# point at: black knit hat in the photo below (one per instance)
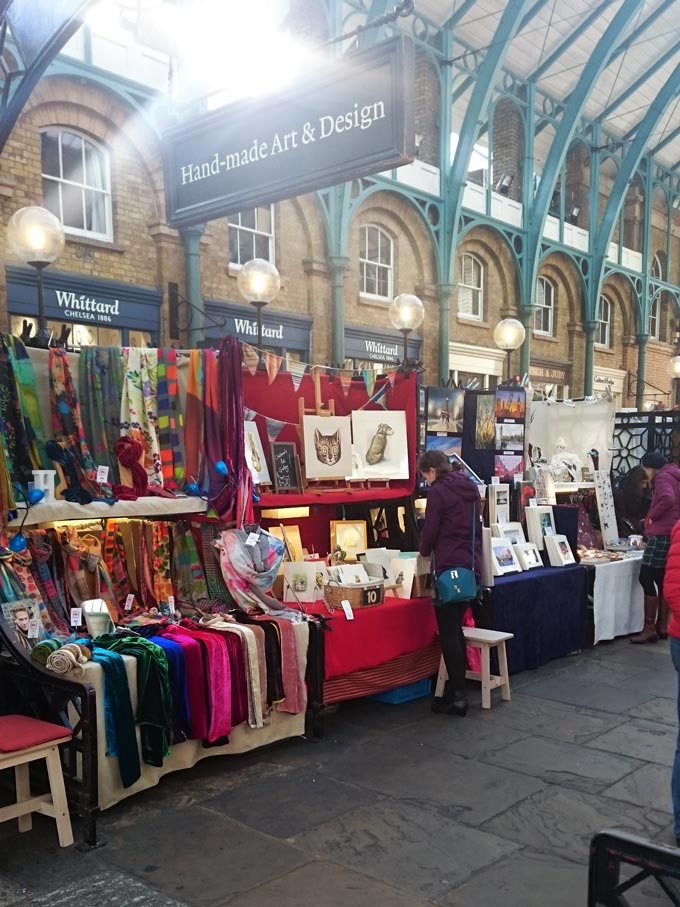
(653, 460)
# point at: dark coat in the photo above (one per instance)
(665, 509)
(453, 503)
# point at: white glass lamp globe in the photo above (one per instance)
(406, 312)
(509, 334)
(259, 281)
(35, 235)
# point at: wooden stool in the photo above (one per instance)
(24, 740)
(484, 640)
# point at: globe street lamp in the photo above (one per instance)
(36, 237)
(406, 313)
(509, 335)
(259, 282)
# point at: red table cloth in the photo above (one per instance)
(379, 634)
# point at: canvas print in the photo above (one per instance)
(328, 446)
(485, 422)
(507, 466)
(451, 445)
(510, 436)
(380, 444)
(255, 458)
(445, 409)
(511, 403)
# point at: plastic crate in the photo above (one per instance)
(407, 693)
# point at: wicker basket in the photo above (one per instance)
(359, 595)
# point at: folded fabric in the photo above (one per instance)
(70, 657)
(42, 650)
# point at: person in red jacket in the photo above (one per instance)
(662, 516)
(453, 509)
(671, 593)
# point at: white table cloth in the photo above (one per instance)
(618, 601)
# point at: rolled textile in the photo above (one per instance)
(70, 657)
(44, 649)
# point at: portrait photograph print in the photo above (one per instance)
(445, 409)
(380, 445)
(22, 617)
(328, 446)
(255, 458)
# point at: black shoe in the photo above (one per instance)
(441, 704)
(458, 707)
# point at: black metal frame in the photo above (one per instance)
(27, 687)
(612, 850)
(637, 433)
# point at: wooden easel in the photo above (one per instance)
(320, 409)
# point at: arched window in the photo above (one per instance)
(471, 287)
(544, 315)
(654, 322)
(76, 182)
(604, 322)
(251, 235)
(375, 263)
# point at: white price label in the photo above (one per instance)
(548, 531)
(102, 474)
(495, 480)
(347, 608)
(171, 603)
(532, 502)
(253, 538)
(129, 602)
(76, 617)
(33, 628)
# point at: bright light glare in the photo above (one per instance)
(104, 19)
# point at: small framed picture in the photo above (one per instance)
(540, 523)
(255, 458)
(499, 504)
(511, 531)
(559, 552)
(503, 558)
(285, 466)
(350, 535)
(528, 555)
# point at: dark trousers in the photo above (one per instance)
(452, 640)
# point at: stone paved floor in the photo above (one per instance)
(396, 807)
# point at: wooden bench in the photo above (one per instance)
(485, 641)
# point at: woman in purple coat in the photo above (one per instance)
(453, 509)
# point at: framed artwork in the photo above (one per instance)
(445, 409)
(503, 558)
(544, 484)
(559, 552)
(328, 446)
(350, 535)
(22, 616)
(528, 555)
(485, 423)
(511, 531)
(285, 466)
(380, 443)
(511, 404)
(450, 445)
(422, 433)
(507, 466)
(255, 458)
(540, 522)
(509, 436)
(292, 542)
(499, 504)
(304, 581)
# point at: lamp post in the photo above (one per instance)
(259, 282)
(36, 237)
(509, 335)
(674, 370)
(406, 313)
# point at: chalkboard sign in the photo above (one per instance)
(285, 467)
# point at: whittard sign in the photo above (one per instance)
(353, 118)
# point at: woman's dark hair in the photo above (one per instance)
(434, 459)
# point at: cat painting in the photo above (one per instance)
(328, 448)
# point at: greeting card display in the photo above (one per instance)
(559, 552)
(304, 581)
(540, 522)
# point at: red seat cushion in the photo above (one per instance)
(18, 732)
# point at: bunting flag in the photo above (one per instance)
(273, 364)
(274, 428)
(297, 371)
(248, 414)
(369, 380)
(392, 377)
(345, 377)
(251, 357)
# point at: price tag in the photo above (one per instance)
(532, 502)
(129, 602)
(102, 474)
(548, 531)
(347, 608)
(253, 538)
(33, 628)
(171, 603)
(76, 617)
(495, 480)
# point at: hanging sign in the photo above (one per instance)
(352, 118)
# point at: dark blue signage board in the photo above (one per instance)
(352, 118)
(369, 344)
(282, 330)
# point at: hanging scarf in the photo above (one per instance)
(170, 419)
(187, 570)
(139, 407)
(7, 502)
(27, 390)
(14, 436)
(53, 624)
(213, 415)
(113, 554)
(162, 582)
(66, 420)
(101, 372)
(250, 570)
(193, 432)
(40, 548)
(217, 588)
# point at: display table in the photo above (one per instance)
(618, 600)
(545, 609)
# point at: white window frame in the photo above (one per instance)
(545, 307)
(606, 323)
(237, 227)
(475, 291)
(84, 187)
(365, 262)
(654, 321)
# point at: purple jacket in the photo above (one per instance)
(665, 508)
(453, 503)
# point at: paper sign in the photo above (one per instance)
(102, 474)
(347, 608)
(253, 538)
(548, 530)
(129, 602)
(76, 617)
(171, 603)
(532, 502)
(495, 480)
(33, 628)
